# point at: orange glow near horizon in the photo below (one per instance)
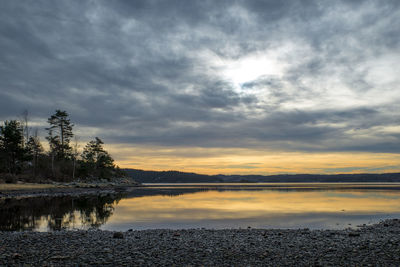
(251, 161)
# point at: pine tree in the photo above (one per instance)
(60, 134)
(34, 150)
(98, 162)
(12, 146)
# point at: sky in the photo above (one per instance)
(233, 87)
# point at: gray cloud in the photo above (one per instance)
(154, 72)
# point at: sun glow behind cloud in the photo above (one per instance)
(252, 67)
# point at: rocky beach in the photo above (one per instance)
(376, 245)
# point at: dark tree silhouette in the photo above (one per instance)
(12, 146)
(34, 150)
(60, 134)
(96, 160)
(22, 155)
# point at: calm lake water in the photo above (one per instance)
(217, 206)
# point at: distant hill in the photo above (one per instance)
(185, 177)
(170, 177)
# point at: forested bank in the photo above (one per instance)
(23, 157)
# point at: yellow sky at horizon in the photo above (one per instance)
(250, 161)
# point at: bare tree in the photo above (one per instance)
(52, 151)
(75, 154)
(25, 120)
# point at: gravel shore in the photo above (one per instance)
(377, 245)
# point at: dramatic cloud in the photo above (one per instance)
(304, 76)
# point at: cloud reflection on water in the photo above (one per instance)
(322, 206)
(216, 209)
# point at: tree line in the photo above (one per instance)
(23, 157)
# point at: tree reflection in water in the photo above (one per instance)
(56, 213)
(68, 212)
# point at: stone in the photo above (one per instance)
(16, 256)
(59, 257)
(354, 234)
(118, 235)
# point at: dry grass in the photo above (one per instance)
(27, 186)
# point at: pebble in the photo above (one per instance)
(118, 235)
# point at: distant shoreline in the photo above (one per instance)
(376, 245)
(144, 176)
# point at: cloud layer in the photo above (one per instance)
(280, 75)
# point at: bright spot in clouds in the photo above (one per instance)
(250, 68)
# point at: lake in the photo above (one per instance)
(215, 206)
